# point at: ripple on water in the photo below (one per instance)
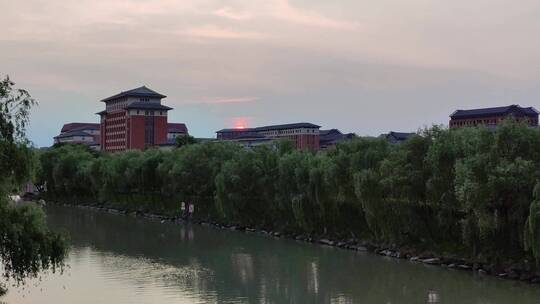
(148, 262)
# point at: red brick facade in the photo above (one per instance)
(134, 119)
(160, 129)
(305, 141)
(136, 132)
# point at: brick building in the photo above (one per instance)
(134, 119)
(493, 116)
(80, 133)
(176, 129)
(304, 135)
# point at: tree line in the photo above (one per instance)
(470, 191)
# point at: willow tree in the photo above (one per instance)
(532, 226)
(26, 245)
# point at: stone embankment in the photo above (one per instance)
(512, 272)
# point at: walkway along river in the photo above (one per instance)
(125, 259)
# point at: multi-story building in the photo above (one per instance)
(493, 116)
(304, 135)
(134, 119)
(80, 133)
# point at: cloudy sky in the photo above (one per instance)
(364, 66)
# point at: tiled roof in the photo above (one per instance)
(137, 92)
(272, 127)
(332, 137)
(145, 105)
(79, 126)
(287, 126)
(400, 135)
(331, 132)
(73, 133)
(493, 111)
(177, 128)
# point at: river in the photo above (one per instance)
(123, 259)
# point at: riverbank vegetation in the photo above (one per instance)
(468, 192)
(27, 247)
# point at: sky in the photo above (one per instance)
(360, 66)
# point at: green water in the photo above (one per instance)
(122, 259)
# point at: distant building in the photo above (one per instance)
(80, 133)
(176, 129)
(397, 137)
(330, 138)
(136, 119)
(493, 116)
(304, 135)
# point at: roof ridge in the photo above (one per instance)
(138, 91)
(485, 108)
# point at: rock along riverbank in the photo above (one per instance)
(510, 271)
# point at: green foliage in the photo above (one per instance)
(532, 226)
(15, 106)
(184, 140)
(467, 189)
(26, 245)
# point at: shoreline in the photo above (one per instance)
(512, 272)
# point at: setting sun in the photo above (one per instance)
(240, 122)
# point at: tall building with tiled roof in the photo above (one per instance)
(134, 119)
(493, 116)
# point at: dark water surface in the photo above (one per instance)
(122, 259)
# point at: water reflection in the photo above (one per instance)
(119, 259)
(433, 297)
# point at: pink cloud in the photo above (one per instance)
(229, 13)
(282, 9)
(216, 32)
(223, 100)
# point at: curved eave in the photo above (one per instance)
(160, 96)
(162, 108)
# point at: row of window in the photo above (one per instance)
(116, 130)
(289, 131)
(484, 121)
(115, 148)
(148, 113)
(115, 136)
(116, 104)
